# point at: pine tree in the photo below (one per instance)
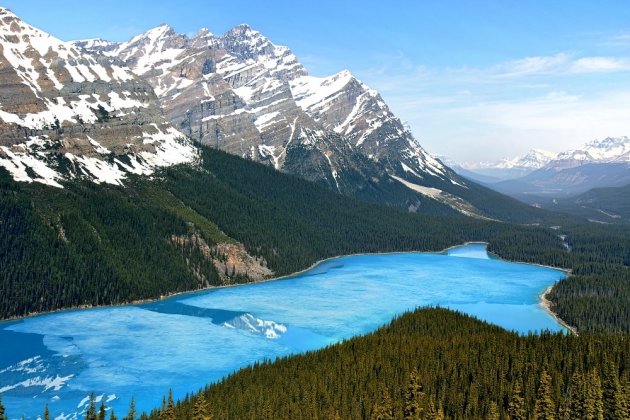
(384, 409)
(200, 409)
(169, 412)
(131, 414)
(564, 412)
(46, 413)
(333, 415)
(3, 415)
(545, 408)
(112, 416)
(414, 397)
(612, 393)
(577, 395)
(433, 413)
(90, 412)
(516, 406)
(625, 395)
(594, 405)
(493, 411)
(102, 415)
(267, 411)
(440, 414)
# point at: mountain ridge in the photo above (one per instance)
(241, 93)
(65, 114)
(128, 108)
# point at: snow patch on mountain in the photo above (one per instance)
(72, 114)
(608, 150)
(444, 197)
(534, 159)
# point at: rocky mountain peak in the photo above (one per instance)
(246, 95)
(607, 150)
(533, 159)
(66, 113)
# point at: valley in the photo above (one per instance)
(335, 300)
(205, 226)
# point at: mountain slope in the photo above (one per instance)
(102, 244)
(600, 163)
(606, 205)
(608, 150)
(510, 168)
(66, 114)
(556, 182)
(431, 355)
(241, 93)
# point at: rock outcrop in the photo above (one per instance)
(241, 93)
(66, 113)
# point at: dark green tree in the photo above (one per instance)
(516, 406)
(169, 411)
(625, 394)
(3, 415)
(102, 414)
(200, 409)
(545, 408)
(577, 396)
(90, 412)
(415, 398)
(46, 413)
(594, 405)
(131, 414)
(613, 394)
(493, 411)
(383, 410)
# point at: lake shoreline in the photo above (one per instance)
(543, 301)
(546, 304)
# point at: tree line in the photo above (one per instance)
(431, 364)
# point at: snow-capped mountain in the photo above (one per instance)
(509, 168)
(100, 110)
(65, 113)
(533, 159)
(241, 93)
(596, 164)
(608, 150)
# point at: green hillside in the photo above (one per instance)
(431, 364)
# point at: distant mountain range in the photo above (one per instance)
(540, 176)
(508, 168)
(102, 110)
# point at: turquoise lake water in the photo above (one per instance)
(190, 340)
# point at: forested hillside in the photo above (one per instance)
(90, 244)
(606, 205)
(431, 364)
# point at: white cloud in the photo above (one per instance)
(558, 64)
(532, 65)
(599, 64)
(506, 109)
(557, 121)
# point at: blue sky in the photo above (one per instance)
(476, 80)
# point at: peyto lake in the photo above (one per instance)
(187, 341)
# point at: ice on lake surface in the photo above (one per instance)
(190, 340)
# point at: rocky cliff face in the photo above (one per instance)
(66, 113)
(241, 93)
